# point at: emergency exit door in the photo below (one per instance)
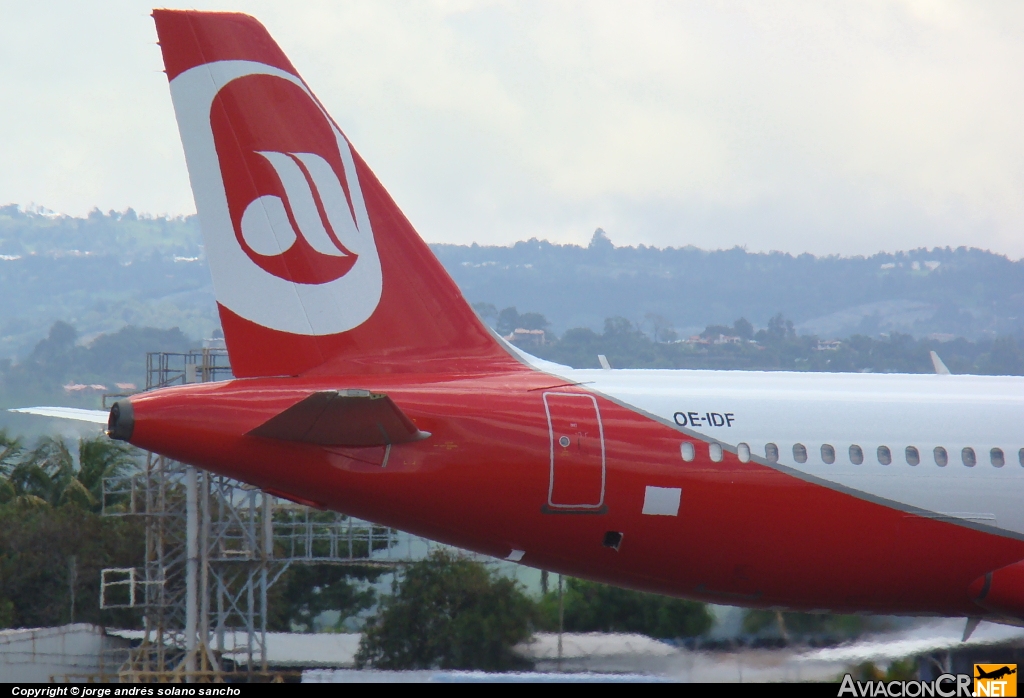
(577, 477)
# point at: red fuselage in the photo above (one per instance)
(745, 533)
(848, 493)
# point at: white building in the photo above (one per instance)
(69, 652)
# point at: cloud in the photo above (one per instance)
(802, 126)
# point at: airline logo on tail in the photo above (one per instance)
(287, 231)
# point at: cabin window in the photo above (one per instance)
(799, 453)
(686, 451)
(968, 457)
(771, 453)
(941, 457)
(743, 452)
(884, 455)
(715, 451)
(1020, 456)
(856, 454)
(828, 454)
(913, 457)
(997, 458)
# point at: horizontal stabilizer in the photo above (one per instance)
(342, 418)
(94, 416)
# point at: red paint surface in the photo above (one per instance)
(421, 318)
(1001, 591)
(745, 533)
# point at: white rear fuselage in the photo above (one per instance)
(894, 411)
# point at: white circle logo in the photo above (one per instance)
(287, 232)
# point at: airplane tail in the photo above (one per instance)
(314, 267)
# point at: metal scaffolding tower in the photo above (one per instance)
(214, 547)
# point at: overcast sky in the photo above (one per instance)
(828, 127)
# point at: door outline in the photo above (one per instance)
(551, 469)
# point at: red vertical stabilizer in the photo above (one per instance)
(314, 266)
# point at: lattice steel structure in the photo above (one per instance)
(214, 547)
(210, 363)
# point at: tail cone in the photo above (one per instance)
(121, 422)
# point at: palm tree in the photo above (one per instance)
(100, 458)
(47, 474)
(10, 450)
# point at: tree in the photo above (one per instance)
(533, 321)
(713, 331)
(47, 474)
(600, 242)
(619, 327)
(486, 311)
(508, 321)
(743, 328)
(306, 591)
(47, 516)
(1005, 359)
(594, 607)
(791, 624)
(36, 541)
(58, 347)
(661, 328)
(100, 458)
(448, 612)
(10, 450)
(779, 329)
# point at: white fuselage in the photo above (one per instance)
(895, 411)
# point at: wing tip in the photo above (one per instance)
(72, 413)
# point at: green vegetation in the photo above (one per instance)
(127, 234)
(444, 612)
(100, 273)
(822, 626)
(448, 612)
(322, 597)
(51, 556)
(47, 475)
(776, 347)
(592, 607)
(59, 359)
(899, 670)
(962, 292)
(106, 270)
(53, 541)
(304, 592)
(108, 275)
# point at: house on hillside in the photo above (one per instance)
(699, 339)
(727, 339)
(828, 345)
(527, 338)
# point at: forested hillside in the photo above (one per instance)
(84, 299)
(962, 292)
(108, 270)
(99, 274)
